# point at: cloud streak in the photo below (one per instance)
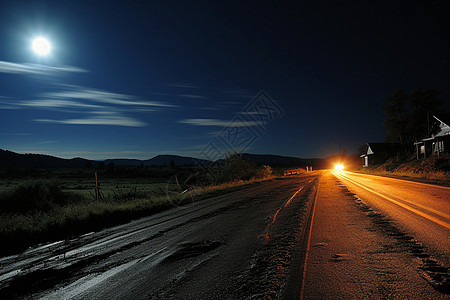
(87, 106)
(193, 96)
(93, 106)
(35, 69)
(220, 123)
(113, 120)
(52, 103)
(79, 92)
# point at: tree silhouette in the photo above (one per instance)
(423, 103)
(408, 117)
(398, 118)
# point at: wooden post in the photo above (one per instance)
(417, 151)
(96, 187)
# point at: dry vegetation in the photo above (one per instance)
(36, 211)
(433, 169)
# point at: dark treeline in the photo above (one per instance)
(408, 117)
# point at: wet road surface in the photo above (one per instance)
(319, 235)
(233, 246)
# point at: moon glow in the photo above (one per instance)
(41, 46)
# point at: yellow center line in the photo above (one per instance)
(444, 215)
(427, 216)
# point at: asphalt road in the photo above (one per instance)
(378, 238)
(320, 235)
(236, 245)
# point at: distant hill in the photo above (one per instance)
(178, 160)
(159, 160)
(124, 162)
(9, 159)
(283, 161)
(264, 159)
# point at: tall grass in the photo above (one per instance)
(37, 195)
(433, 169)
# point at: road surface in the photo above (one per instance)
(378, 237)
(319, 235)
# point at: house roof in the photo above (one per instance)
(444, 128)
(443, 117)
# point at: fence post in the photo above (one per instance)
(96, 187)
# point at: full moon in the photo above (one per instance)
(41, 46)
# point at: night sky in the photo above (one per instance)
(134, 79)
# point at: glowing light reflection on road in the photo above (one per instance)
(278, 210)
(408, 207)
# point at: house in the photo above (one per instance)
(378, 153)
(438, 142)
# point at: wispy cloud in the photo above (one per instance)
(105, 119)
(7, 106)
(93, 106)
(221, 123)
(79, 92)
(47, 142)
(58, 103)
(250, 113)
(211, 108)
(86, 106)
(193, 96)
(33, 69)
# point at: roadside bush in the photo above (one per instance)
(391, 165)
(37, 195)
(237, 168)
(264, 172)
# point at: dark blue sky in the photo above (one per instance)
(139, 78)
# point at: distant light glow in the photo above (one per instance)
(339, 167)
(41, 46)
